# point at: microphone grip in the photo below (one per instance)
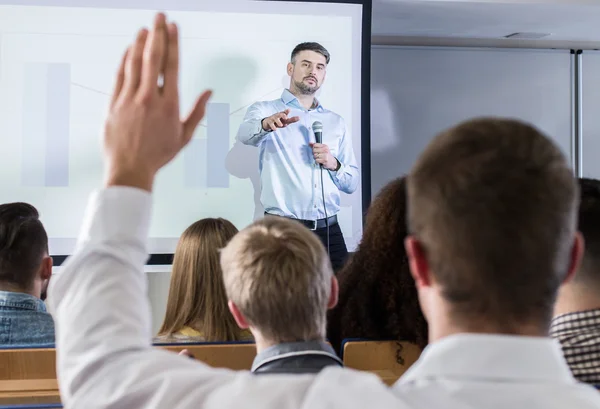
(319, 137)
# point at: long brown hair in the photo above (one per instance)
(197, 295)
(378, 297)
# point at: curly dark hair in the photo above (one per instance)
(378, 297)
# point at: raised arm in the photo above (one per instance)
(99, 300)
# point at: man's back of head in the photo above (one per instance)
(23, 249)
(577, 313)
(587, 279)
(492, 235)
(278, 276)
(492, 212)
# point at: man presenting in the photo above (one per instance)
(291, 161)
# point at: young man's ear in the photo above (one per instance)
(46, 268)
(239, 318)
(419, 267)
(333, 297)
(577, 251)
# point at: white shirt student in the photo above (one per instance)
(104, 355)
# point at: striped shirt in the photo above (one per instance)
(579, 337)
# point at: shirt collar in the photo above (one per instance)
(290, 99)
(288, 349)
(22, 301)
(478, 356)
(575, 321)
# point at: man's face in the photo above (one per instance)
(307, 71)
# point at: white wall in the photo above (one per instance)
(418, 92)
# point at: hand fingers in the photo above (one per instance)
(171, 72)
(291, 120)
(272, 126)
(133, 65)
(195, 116)
(286, 112)
(120, 78)
(278, 123)
(154, 55)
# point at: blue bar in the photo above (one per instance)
(217, 122)
(58, 124)
(33, 141)
(194, 159)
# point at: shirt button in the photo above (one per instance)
(315, 185)
(315, 206)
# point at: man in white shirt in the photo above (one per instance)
(492, 216)
(103, 326)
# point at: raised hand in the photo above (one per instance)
(143, 131)
(278, 120)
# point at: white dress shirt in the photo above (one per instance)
(290, 177)
(105, 358)
(470, 371)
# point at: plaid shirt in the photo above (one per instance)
(579, 336)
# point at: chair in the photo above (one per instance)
(387, 359)
(28, 375)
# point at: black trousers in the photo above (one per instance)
(338, 252)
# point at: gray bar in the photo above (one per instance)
(58, 124)
(34, 112)
(217, 122)
(194, 158)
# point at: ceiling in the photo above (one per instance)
(570, 23)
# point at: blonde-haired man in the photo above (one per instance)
(280, 283)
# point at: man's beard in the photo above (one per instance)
(305, 88)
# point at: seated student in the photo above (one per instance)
(25, 269)
(280, 284)
(492, 209)
(576, 324)
(197, 304)
(378, 297)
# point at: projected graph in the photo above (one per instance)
(46, 119)
(205, 157)
(46, 132)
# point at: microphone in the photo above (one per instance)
(317, 128)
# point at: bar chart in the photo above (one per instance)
(46, 127)
(46, 133)
(205, 157)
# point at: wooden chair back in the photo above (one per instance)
(388, 359)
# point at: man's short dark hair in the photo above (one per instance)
(23, 244)
(316, 47)
(589, 226)
(494, 204)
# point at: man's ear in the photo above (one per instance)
(290, 69)
(419, 267)
(46, 268)
(577, 251)
(239, 318)
(333, 296)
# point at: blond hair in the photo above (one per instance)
(196, 294)
(279, 276)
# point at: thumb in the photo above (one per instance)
(195, 116)
(287, 111)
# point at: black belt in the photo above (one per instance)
(313, 224)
